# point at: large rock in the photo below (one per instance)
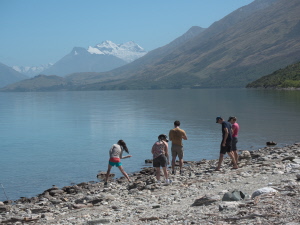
(4, 208)
(205, 200)
(245, 155)
(233, 196)
(262, 191)
(229, 206)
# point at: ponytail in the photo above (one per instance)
(123, 144)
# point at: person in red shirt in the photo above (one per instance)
(235, 131)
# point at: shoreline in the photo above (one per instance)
(193, 198)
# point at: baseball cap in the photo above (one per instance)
(218, 118)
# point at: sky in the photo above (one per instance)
(37, 32)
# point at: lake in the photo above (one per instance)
(62, 138)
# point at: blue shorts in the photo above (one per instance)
(117, 164)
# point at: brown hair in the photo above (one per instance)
(177, 123)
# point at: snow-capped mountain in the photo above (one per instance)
(101, 58)
(32, 71)
(128, 51)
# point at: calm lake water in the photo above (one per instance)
(61, 138)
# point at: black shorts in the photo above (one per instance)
(160, 161)
(226, 148)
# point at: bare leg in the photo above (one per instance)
(220, 161)
(124, 173)
(231, 154)
(157, 173)
(173, 163)
(108, 172)
(180, 164)
(165, 172)
(236, 157)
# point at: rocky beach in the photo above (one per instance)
(264, 190)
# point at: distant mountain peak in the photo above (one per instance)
(32, 71)
(128, 51)
(78, 51)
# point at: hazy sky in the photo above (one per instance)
(35, 32)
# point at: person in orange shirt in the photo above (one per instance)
(176, 135)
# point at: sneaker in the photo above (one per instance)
(158, 182)
(168, 181)
(181, 172)
(105, 183)
(173, 172)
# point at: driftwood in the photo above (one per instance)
(251, 216)
(21, 220)
(150, 218)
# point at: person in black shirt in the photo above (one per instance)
(226, 143)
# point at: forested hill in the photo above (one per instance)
(282, 78)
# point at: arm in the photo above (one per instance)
(152, 149)
(233, 127)
(225, 136)
(127, 156)
(166, 151)
(170, 135)
(184, 137)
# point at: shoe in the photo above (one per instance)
(158, 182)
(168, 181)
(181, 172)
(173, 172)
(105, 183)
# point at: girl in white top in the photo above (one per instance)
(115, 156)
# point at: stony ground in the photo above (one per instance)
(196, 197)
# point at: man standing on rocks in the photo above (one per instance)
(226, 143)
(176, 135)
(235, 131)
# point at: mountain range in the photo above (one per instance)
(252, 41)
(247, 44)
(103, 57)
(100, 58)
(32, 71)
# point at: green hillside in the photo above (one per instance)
(282, 78)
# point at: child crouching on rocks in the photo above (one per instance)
(115, 156)
(161, 157)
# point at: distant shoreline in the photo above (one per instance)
(275, 88)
